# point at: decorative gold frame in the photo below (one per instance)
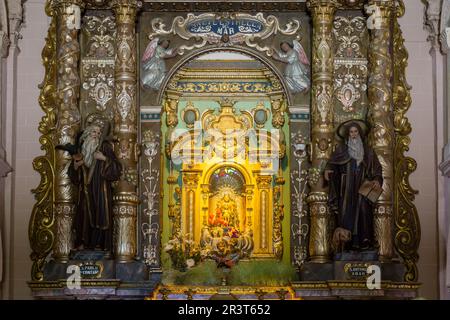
(43, 227)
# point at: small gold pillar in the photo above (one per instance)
(68, 120)
(381, 117)
(170, 109)
(249, 207)
(190, 185)
(322, 130)
(125, 128)
(264, 183)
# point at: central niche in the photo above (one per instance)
(227, 203)
(226, 227)
(228, 184)
(224, 135)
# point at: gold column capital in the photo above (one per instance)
(323, 7)
(125, 10)
(382, 12)
(64, 4)
(263, 181)
(383, 4)
(124, 3)
(190, 179)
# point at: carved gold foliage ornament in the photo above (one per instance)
(101, 31)
(299, 186)
(220, 87)
(150, 180)
(41, 234)
(278, 216)
(350, 68)
(278, 112)
(171, 109)
(349, 32)
(224, 28)
(190, 114)
(407, 225)
(97, 64)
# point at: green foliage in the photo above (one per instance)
(265, 272)
(206, 273)
(261, 273)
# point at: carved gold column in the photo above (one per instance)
(125, 128)
(249, 207)
(322, 131)
(264, 184)
(381, 116)
(190, 184)
(205, 204)
(170, 109)
(68, 119)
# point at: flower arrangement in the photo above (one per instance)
(183, 252)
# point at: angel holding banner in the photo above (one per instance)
(296, 73)
(153, 68)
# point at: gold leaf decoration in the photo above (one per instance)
(41, 234)
(407, 225)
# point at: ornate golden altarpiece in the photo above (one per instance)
(179, 188)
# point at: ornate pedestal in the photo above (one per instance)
(101, 278)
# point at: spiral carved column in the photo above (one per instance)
(68, 120)
(125, 199)
(322, 132)
(381, 117)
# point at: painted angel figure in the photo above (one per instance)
(296, 73)
(153, 66)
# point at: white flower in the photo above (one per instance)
(205, 252)
(190, 263)
(168, 247)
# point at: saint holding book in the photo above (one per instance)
(355, 177)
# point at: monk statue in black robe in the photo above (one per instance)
(94, 169)
(351, 165)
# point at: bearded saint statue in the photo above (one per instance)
(352, 164)
(93, 170)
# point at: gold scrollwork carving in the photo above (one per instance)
(278, 215)
(350, 68)
(180, 25)
(171, 110)
(407, 225)
(97, 65)
(278, 112)
(42, 219)
(264, 182)
(190, 115)
(175, 208)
